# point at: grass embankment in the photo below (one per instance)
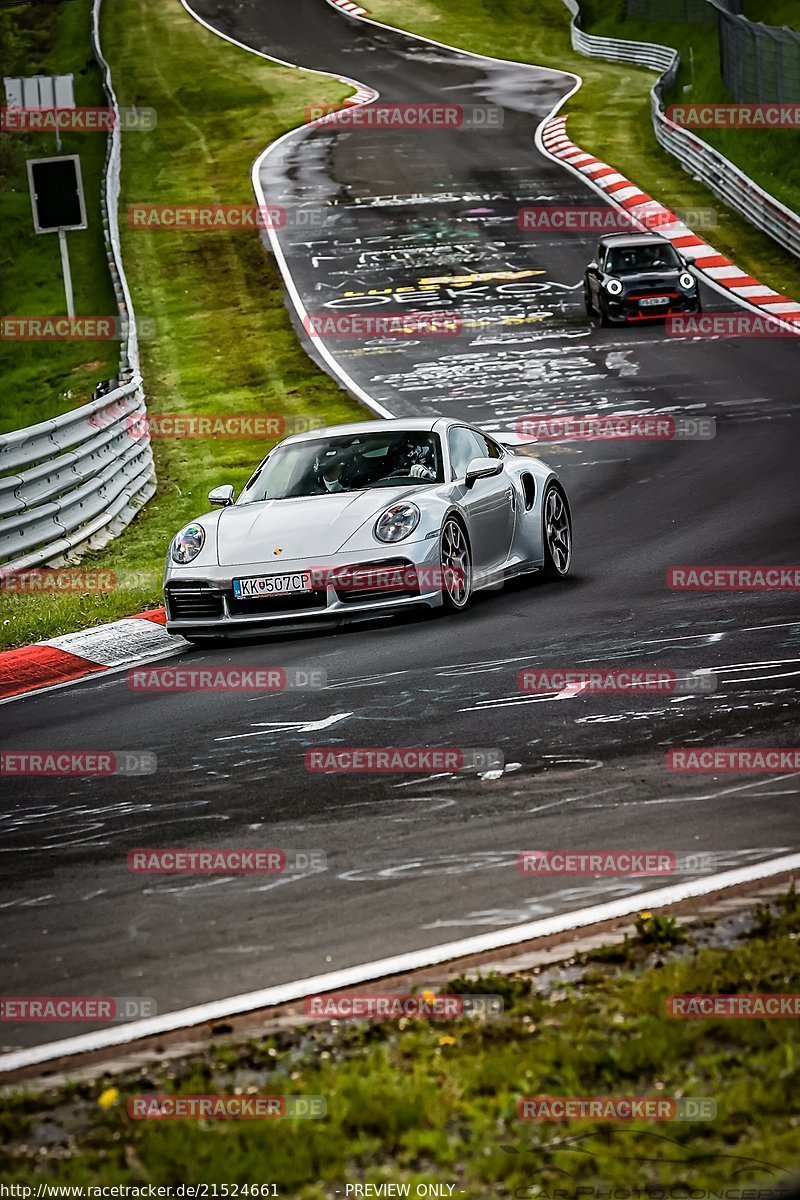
(42, 379)
(774, 12)
(224, 342)
(420, 1102)
(609, 114)
(770, 157)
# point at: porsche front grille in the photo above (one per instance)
(193, 601)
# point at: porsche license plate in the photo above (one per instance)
(653, 301)
(258, 586)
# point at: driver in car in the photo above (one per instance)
(414, 457)
(329, 472)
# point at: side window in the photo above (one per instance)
(489, 449)
(464, 445)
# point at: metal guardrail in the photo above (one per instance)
(73, 483)
(697, 157)
(109, 204)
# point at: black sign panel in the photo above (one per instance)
(56, 193)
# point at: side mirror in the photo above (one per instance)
(482, 468)
(222, 495)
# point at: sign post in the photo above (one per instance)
(57, 201)
(62, 238)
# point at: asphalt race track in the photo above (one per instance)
(413, 861)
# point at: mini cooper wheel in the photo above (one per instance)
(587, 301)
(605, 318)
(556, 533)
(456, 565)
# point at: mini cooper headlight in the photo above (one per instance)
(686, 281)
(187, 544)
(613, 287)
(397, 523)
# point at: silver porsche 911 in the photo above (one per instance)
(356, 520)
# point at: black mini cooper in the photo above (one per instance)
(638, 277)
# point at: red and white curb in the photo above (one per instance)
(362, 95)
(64, 660)
(348, 6)
(717, 269)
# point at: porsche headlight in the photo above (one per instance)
(613, 287)
(187, 544)
(397, 523)
(686, 281)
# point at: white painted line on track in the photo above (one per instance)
(398, 964)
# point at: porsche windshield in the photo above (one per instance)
(347, 464)
(641, 258)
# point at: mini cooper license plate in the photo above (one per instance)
(653, 301)
(258, 586)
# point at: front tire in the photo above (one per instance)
(587, 301)
(456, 564)
(556, 533)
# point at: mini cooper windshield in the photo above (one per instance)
(641, 258)
(346, 464)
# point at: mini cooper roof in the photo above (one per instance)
(634, 239)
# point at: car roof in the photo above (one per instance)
(634, 239)
(412, 424)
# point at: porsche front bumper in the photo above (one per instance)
(202, 602)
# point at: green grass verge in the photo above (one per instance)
(415, 1102)
(609, 115)
(224, 342)
(42, 379)
(774, 12)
